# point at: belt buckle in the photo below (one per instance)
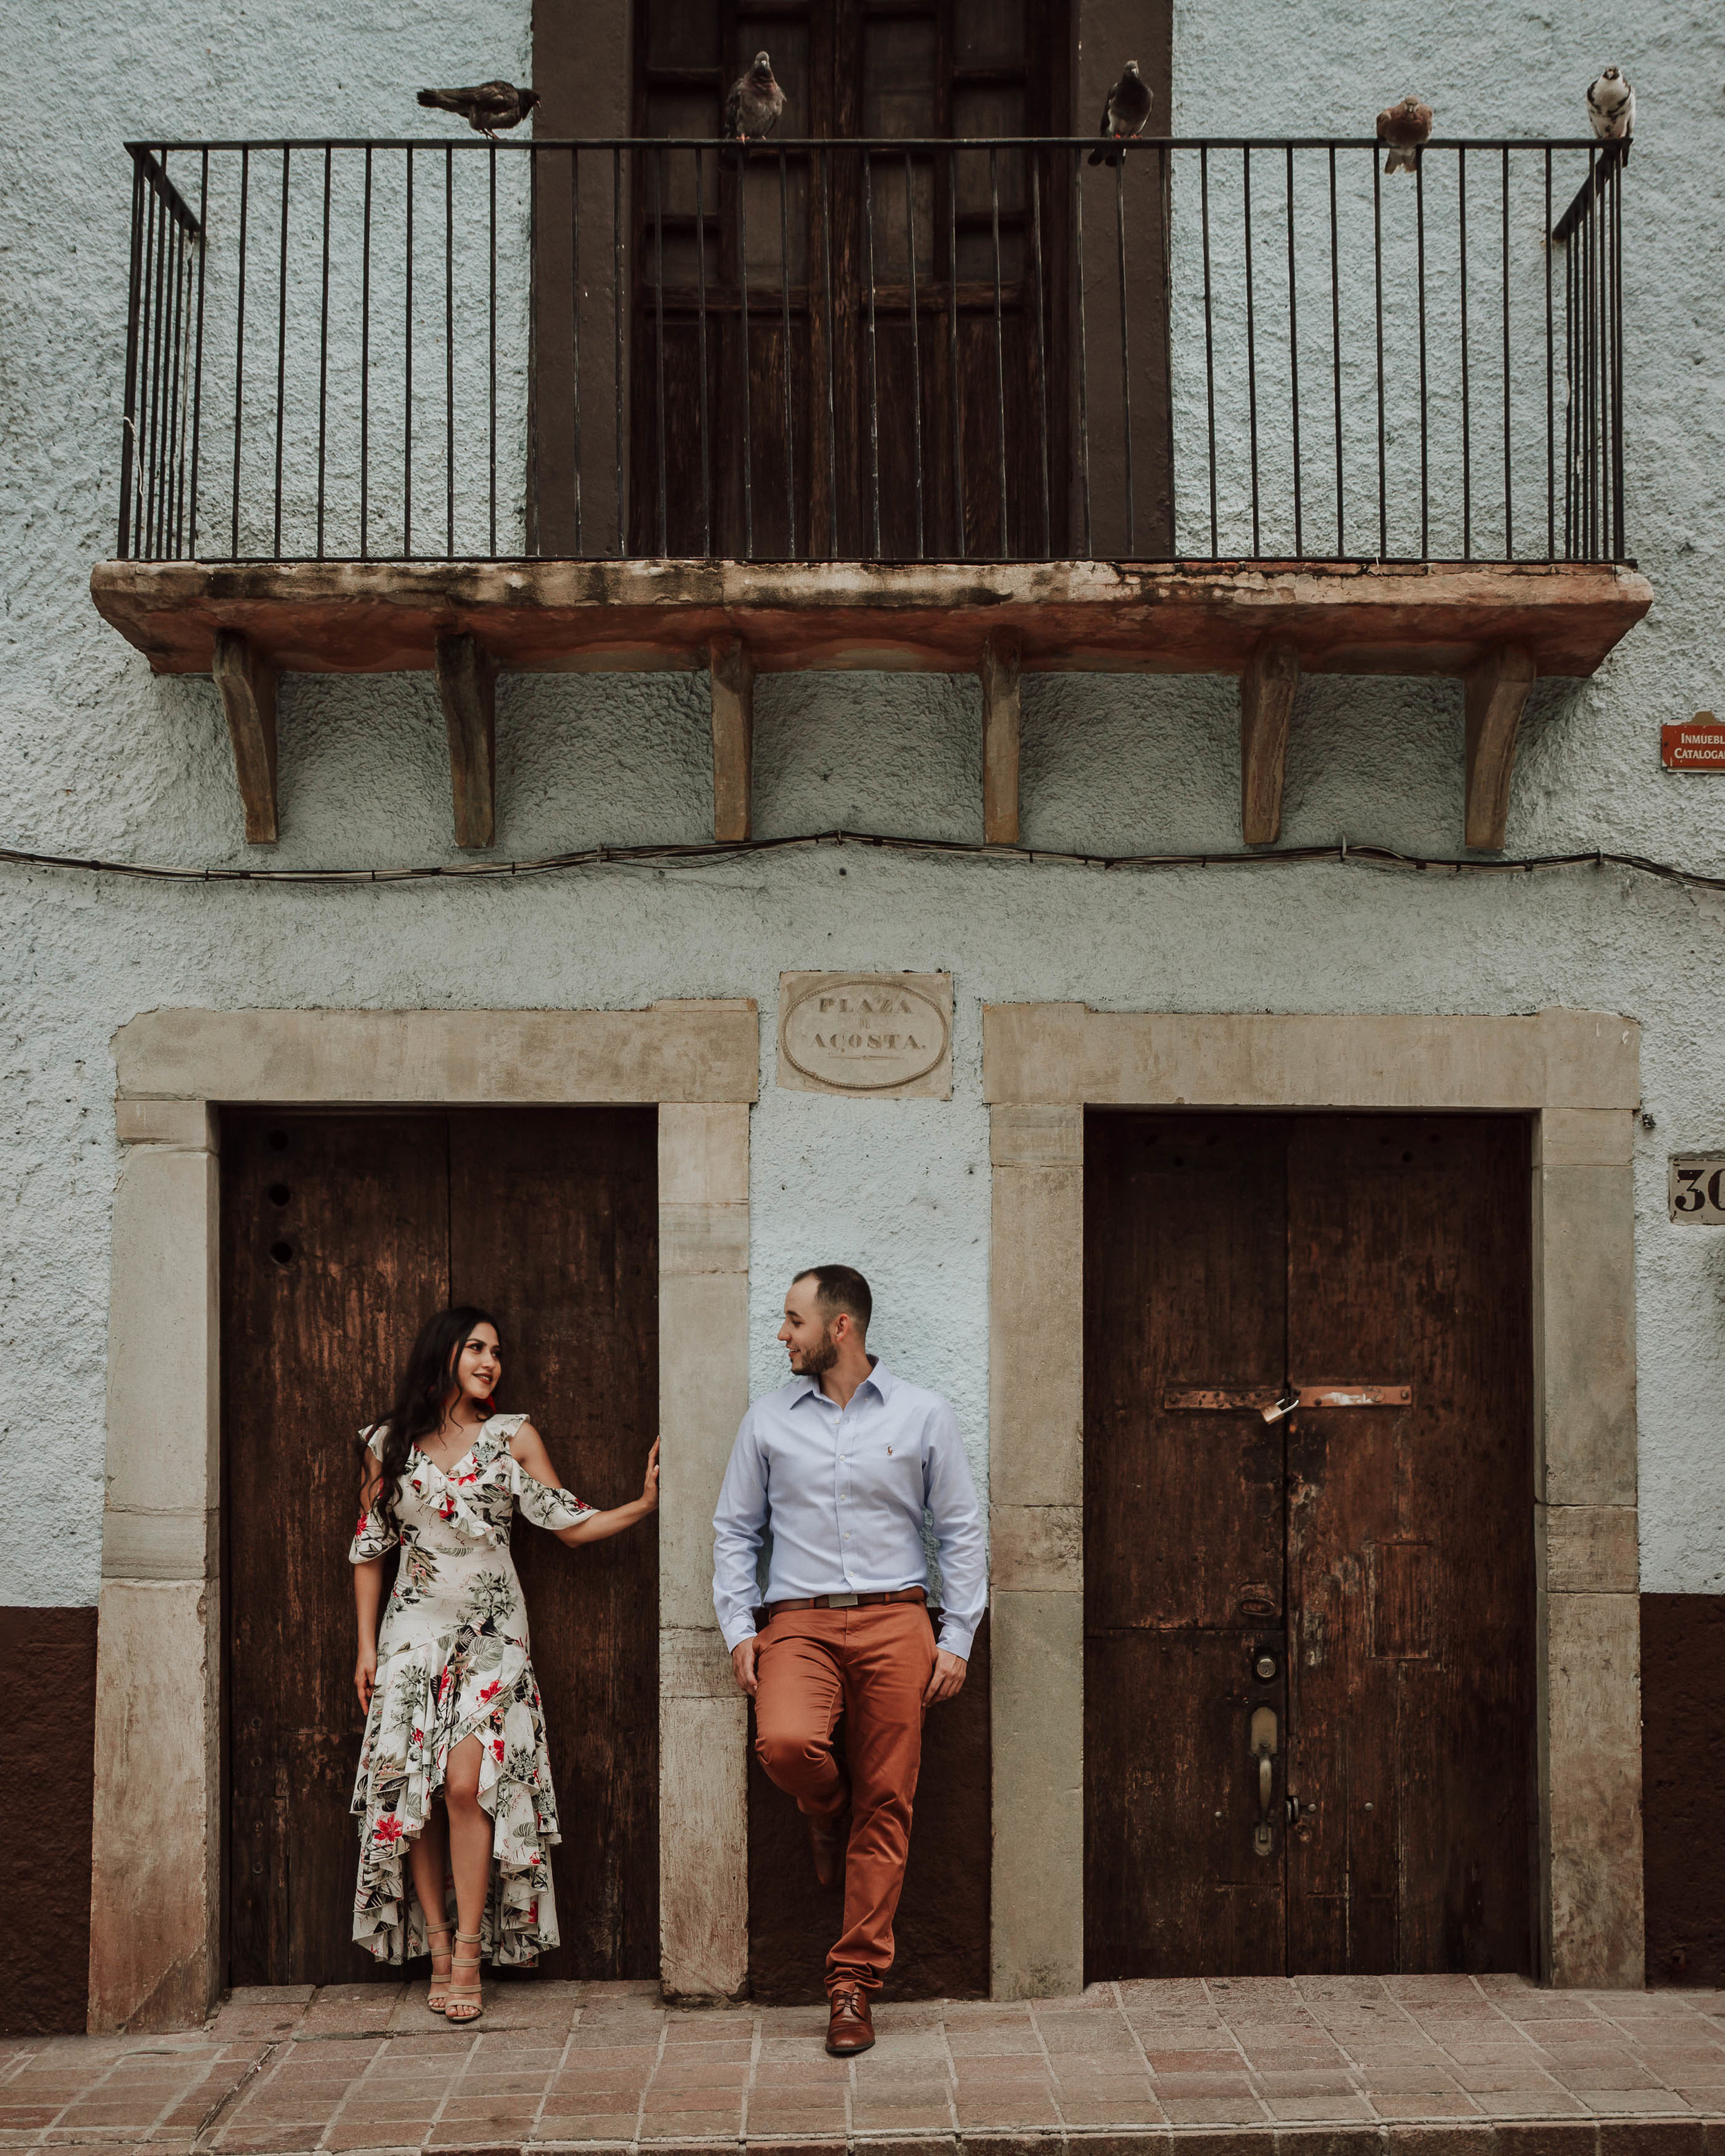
(842, 1601)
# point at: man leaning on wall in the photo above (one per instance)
(841, 1465)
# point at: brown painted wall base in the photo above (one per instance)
(48, 1771)
(942, 1925)
(1682, 1704)
(46, 1768)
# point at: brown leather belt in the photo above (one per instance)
(847, 1601)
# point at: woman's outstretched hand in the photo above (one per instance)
(650, 1488)
(365, 1676)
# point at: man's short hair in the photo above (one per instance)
(840, 1287)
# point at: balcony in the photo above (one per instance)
(1242, 407)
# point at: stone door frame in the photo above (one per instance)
(1576, 1074)
(155, 1929)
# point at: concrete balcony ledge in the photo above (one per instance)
(1499, 626)
(1159, 618)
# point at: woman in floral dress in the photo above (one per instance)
(452, 1709)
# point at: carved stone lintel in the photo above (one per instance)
(1497, 691)
(1266, 704)
(733, 670)
(1000, 671)
(467, 682)
(247, 681)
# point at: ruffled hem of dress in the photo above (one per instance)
(520, 1921)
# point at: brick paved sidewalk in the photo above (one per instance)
(1316, 2066)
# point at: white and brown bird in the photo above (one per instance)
(755, 103)
(1404, 127)
(486, 107)
(1126, 114)
(1611, 107)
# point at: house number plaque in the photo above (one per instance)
(870, 1034)
(1696, 1189)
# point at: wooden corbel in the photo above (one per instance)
(731, 668)
(1266, 704)
(247, 681)
(467, 682)
(1496, 688)
(999, 672)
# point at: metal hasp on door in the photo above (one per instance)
(1308, 1572)
(1275, 1406)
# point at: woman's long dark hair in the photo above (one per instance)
(427, 1380)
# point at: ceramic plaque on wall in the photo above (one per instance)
(873, 1035)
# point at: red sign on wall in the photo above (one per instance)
(1696, 744)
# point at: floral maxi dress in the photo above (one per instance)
(453, 1662)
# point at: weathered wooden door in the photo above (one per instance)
(1309, 1706)
(341, 1233)
(774, 412)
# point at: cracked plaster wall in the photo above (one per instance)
(98, 757)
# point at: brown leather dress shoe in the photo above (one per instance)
(828, 1834)
(849, 2029)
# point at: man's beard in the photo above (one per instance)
(818, 1361)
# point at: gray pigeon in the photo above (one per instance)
(486, 107)
(1404, 127)
(1126, 114)
(1611, 107)
(755, 103)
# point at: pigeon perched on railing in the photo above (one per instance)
(1126, 113)
(1611, 107)
(486, 107)
(755, 102)
(1404, 127)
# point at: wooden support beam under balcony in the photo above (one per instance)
(1266, 708)
(248, 682)
(731, 668)
(467, 682)
(1495, 693)
(1000, 670)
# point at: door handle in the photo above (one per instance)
(1262, 1739)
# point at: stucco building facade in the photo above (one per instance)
(1067, 845)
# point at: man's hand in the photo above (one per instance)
(946, 1681)
(743, 1666)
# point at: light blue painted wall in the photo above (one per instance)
(100, 757)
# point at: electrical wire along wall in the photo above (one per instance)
(1207, 350)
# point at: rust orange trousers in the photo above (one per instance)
(874, 1663)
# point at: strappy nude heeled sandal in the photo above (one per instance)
(439, 1984)
(462, 2001)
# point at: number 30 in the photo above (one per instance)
(1695, 1196)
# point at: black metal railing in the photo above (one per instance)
(882, 351)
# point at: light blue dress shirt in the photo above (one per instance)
(844, 1491)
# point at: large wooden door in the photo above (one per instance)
(1308, 1706)
(340, 1235)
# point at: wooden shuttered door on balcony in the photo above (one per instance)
(940, 434)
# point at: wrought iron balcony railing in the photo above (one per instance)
(874, 351)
